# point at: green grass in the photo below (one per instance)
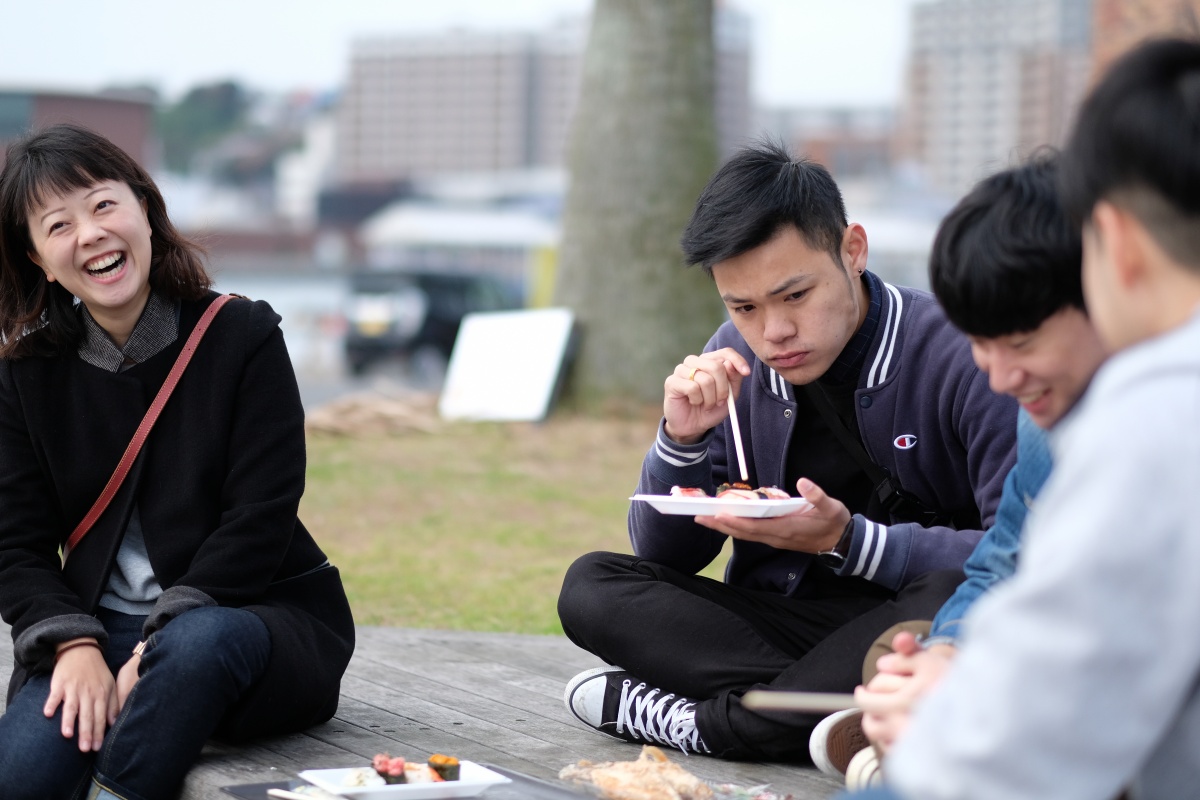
(471, 527)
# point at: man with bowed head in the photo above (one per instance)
(1078, 676)
(853, 393)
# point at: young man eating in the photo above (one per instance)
(855, 394)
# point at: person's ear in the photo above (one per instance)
(1116, 233)
(33, 257)
(854, 249)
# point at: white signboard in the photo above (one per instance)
(506, 364)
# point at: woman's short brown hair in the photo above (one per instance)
(56, 160)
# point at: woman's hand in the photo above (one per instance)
(126, 678)
(84, 686)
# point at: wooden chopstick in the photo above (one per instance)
(811, 702)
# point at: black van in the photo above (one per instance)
(416, 314)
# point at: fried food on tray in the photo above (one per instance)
(651, 777)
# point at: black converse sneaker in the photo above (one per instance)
(614, 702)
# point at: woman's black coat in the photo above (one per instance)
(217, 487)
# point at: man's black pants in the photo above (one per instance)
(712, 642)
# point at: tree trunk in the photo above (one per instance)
(642, 145)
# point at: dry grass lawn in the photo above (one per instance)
(471, 526)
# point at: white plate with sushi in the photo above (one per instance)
(710, 506)
(473, 779)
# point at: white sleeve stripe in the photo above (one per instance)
(878, 553)
(887, 329)
(665, 446)
(895, 331)
(690, 461)
(866, 547)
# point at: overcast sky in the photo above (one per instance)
(805, 51)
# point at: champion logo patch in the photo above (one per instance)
(905, 442)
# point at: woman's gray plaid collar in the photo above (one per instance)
(156, 329)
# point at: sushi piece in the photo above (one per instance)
(445, 766)
(422, 773)
(742, 491)
(389, 768)
(685, 491)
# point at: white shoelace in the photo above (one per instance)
(667, 720)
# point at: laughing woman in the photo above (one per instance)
(197, 604)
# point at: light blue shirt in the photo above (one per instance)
(995, 557)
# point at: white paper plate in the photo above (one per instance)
(473, 780)
(709, 506)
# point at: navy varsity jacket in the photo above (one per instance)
(925, 413)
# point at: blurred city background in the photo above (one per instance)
(376, 170)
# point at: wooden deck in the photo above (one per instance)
(490, 698)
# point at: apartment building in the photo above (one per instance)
(988, 82)
(473, 101)
(1121, 24)
(127, 118)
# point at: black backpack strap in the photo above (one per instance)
(891, 496)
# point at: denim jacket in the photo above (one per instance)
(995, 557)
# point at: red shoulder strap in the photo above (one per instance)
(139, 437)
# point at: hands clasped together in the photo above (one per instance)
(904, 677)
(83, 684)
(694, 401)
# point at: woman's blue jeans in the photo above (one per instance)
(193, 670)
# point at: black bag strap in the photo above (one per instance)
(891, 496)
(845, 436)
